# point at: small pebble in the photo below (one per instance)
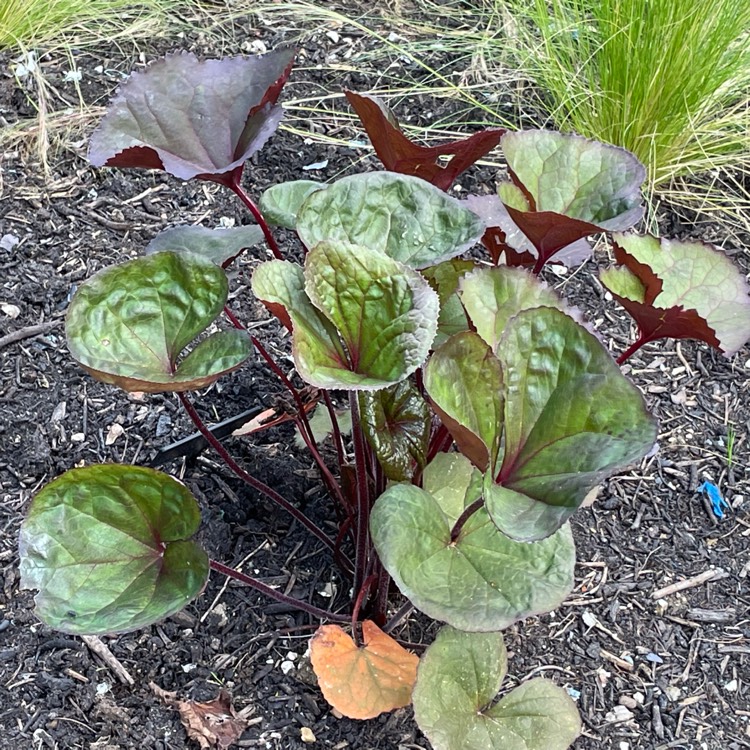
(628, 702)
(731, 686)
(306, 735)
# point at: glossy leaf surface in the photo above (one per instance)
(217, 245)
(454, 699)
(396, 422)
(193, 117)
(399, 154)
(108, 549)
(574, 187)
(482, 581)
(362, 682)
(571, 418)
(464, 381)
(404, 217)
(128, 324)
(444, 279)
(360, 320)
(680, 290)
(281, 203)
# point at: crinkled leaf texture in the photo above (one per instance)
(396, 422)
(193, 117)
(362, 682)
(217, 245)
(280, 204)
(680, 290)
(108, 548)
(129, 323)
(408, 219)
(573, 187)
(399, 154)
(570, 417)
(360, 319)
(454, 699)
(483, 581)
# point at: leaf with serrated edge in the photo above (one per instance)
(399, 154)
(219, 113)
(363, 682)
(217, 245)
(396, 422)
(108, 549)
(281, 203)
(128, 324)
(404, 217)
(464, 381)
(457, 681)
(571, 419)
(492, 296)
(680, 289)
(483, 581)
(385, 312)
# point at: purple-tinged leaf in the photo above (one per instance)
(574, 187)
(503, 238)
(129, 324)
(360, 320)
(193, 117)
(679, 289)
(217, 245)
(571, 419)
(399, 154)
(396, 422)
(108, 548)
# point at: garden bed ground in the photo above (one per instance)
(649, 673)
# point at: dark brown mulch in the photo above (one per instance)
(672, 672)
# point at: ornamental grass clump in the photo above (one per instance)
(483, 410)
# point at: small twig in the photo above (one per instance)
(688, 583)
(103, 652)
(28, 332)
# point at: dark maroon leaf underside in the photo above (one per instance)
(399, 154)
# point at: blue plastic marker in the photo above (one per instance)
(718, 503)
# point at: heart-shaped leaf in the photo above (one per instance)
(129, 323)
(574, 187)
(108, 549)
(281, 203)
(362, 682)
(464, 381)
(217, 245)
(193, 117)
(680, 290)
(399, 154)
(404, 217)
(454, 699)
(571, 418)
(481, 581)
(396, 422)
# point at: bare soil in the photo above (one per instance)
(664, 672)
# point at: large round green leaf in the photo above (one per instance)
(129, 323)
(457, 681)
(404, 217)
(218, 245)
(571, 418)
(281, 203)
(482, 581)
(108, 549)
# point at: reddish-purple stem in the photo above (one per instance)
(362, 518)
(360, 600)
(249, 479)
(277, 595)
(632, 349)
(337, 439)
(469, 511)
(237, 189)
(233, 318)
(403, 611)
